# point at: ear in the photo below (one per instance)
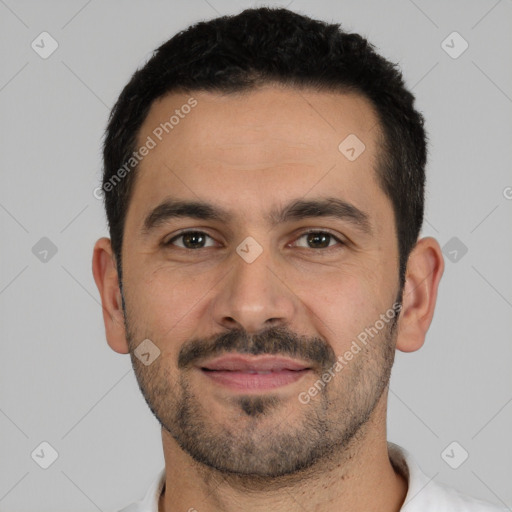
(424, 270)
(105, 274)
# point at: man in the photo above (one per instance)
(264, 187)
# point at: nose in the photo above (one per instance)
(254, 296)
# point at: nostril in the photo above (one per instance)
(230, 321)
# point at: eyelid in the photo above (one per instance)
(339, 239)
(168, 241)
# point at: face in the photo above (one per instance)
(256, 256)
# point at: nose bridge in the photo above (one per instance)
(252, 297)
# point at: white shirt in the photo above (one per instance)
(423, 494)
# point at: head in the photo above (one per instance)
(264, 187)
(238, 53)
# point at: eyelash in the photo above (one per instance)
(305, 233)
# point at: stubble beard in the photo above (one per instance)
(256, 442)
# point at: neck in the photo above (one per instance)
(356, 478)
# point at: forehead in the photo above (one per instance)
(247, 149)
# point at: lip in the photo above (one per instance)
(256, 373)
(241, 363)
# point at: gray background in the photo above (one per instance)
(59, 380)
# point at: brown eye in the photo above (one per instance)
(317, 240)
(190, 240)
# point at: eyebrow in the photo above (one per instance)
(170, 209)
(325, 207)
(296, 210)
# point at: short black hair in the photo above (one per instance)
(263, 46)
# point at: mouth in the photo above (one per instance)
(253, 373)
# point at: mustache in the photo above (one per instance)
(275, 340)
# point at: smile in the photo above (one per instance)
(244, 373)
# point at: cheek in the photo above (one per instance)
(166, 303)
(346, 302)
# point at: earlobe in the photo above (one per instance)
(105, 275)
(424, 270)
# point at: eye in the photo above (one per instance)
(191, 240)
(317, 240)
